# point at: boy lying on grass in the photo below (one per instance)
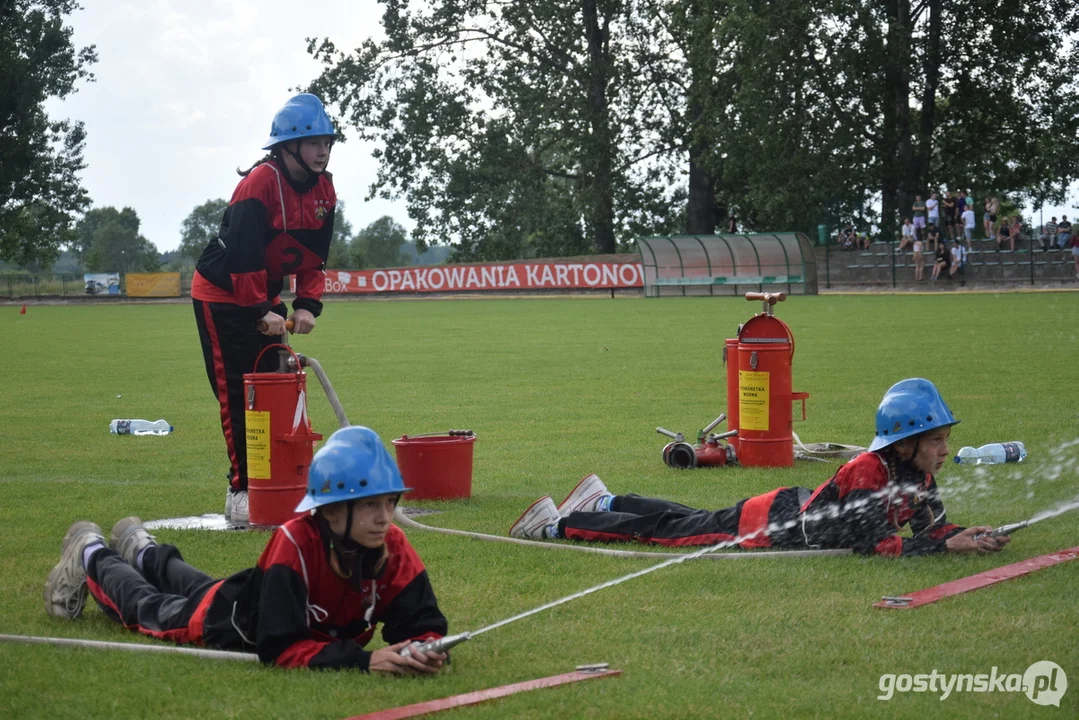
(320, 588)
(862, 507)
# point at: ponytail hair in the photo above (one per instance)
(272, 155)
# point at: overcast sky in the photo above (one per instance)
(185, 91)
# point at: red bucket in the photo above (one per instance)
(436, 467)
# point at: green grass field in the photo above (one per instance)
(556, 388)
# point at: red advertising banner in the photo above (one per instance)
(504, 277)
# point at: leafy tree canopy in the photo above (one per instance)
(40, 193)
(114, 243)
(381, 243)
(199, 226)
(514, 129)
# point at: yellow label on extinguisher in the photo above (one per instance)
(752, 400)
(258, 444)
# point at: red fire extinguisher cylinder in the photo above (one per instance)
(280, 441)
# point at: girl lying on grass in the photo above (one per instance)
(320, 588)
(862, 507)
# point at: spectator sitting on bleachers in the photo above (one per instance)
(908, 235)
(1004, 235)
(932, 237)
(847, 238)
(861, 240)
(1048, 235)
(940, 261)
(1017, 231)
(1064, 233)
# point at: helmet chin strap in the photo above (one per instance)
(299, 160)
(346, 548)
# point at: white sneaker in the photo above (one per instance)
(536, 519)
(65, 590)
(585, 497)
(129, 538)
(236, 508)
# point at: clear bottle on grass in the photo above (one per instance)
(140, 427)
(992, 454)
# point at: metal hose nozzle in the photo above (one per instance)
(438, 646)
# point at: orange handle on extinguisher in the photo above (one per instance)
(288, 325)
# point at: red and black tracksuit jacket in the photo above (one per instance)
(291, 608)
(872, 499)
(272, 228)
(862, 507)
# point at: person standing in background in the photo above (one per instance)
(932, 208)
(278, 223)
(960, 208)
(968, 225)
(948, 206)
(919, 217)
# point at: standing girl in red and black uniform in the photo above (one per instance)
(320, 588)
(862, 507)
(278, 223)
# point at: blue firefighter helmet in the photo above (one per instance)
(302, 116)
(910, 407)
(352, 464)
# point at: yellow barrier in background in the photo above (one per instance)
(152, 284)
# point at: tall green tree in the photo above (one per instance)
(40, 193)
(963, 96)
(115, 244)
(203, 223)
(380, 244)
(508, 127)
(557, 127)
(83, 237)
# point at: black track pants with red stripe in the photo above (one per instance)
(231, 343)
(160, 601)
(633, 518)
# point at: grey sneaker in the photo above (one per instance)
(65, 590)
(236, 506)
(584, 498)
(129, 538)
(536, 519)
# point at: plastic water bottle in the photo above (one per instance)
(992, 454)
(140, 427)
